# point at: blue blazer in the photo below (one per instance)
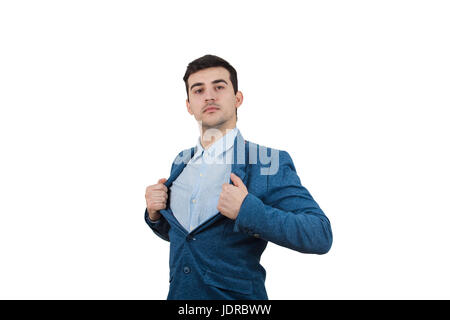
(220, 258)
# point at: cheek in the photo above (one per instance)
(195, 107)
(231, 100)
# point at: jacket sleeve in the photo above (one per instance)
(160, 227)
(289, 216)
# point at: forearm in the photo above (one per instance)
(306, 231)
(159, 227)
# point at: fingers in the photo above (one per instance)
(156, 206)
(226, 186)
(155, 187)
(161, 185)
(157, 203)
(156, 196)
(236, 180)
(162, 180)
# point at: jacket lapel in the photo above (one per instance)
(238, 167)
(179, 164)
(240, 158)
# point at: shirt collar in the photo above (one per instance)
(218, 147)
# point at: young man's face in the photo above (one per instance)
(211, 98)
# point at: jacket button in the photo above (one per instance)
(190, 237)
(256, 235)
(186, 270)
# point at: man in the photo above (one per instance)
(227, 197)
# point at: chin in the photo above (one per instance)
(212, 124)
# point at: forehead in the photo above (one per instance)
(209, 74)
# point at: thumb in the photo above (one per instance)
(236, 180)
(162, 180)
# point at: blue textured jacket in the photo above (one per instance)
(220, 259)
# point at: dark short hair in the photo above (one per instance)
(210, 61)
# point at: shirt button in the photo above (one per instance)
(186, 270)
(201, 174)
(194, 201)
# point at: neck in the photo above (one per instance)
(209, 135)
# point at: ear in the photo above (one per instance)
(239, 99)
(188, 106)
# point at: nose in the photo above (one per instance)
(210, 95)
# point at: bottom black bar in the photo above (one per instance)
(194, 309)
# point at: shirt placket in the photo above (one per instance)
(194, 204)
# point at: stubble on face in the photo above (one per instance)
(214, 124)
(214, 129)
(221, 119)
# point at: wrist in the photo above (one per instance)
(154, 216)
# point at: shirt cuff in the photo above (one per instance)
(147, 218)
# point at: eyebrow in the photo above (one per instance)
(213, 82)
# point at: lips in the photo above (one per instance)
(211, 109)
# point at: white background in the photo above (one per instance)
(93, 110)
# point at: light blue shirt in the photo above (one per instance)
(195, 193)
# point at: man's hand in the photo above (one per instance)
(231, 197)
(156, 197)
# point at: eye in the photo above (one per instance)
(198, 91)
(218, 87)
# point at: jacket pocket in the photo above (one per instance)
(243, 286)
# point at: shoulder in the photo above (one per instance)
(268, 157)
(184, 154)
(183, 157)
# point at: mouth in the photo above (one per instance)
(210, 109)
